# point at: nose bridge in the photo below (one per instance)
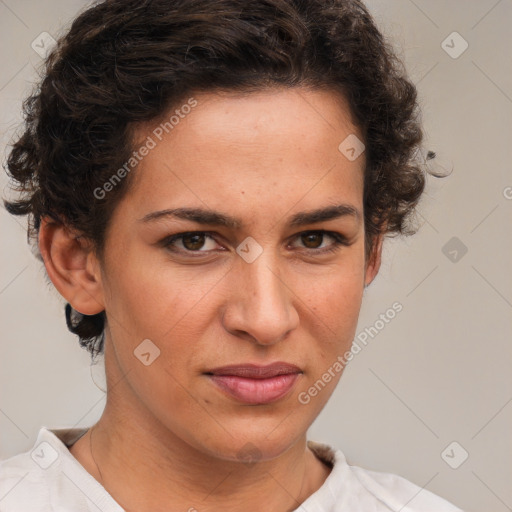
(262, 301)
(265, 284)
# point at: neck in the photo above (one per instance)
(146, 469)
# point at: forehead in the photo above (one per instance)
(265, 145)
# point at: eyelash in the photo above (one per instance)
(339, 240)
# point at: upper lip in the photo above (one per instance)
(253, 371)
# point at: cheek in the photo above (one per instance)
(330, 314)
(156, 302)
(334, 313)
(344, 303)
(153, 298)
(334, 297)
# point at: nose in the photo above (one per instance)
(260, 306)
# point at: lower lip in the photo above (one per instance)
(256, 391)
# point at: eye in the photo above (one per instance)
(313, 240)
(193, 241)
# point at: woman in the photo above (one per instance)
(209, 184)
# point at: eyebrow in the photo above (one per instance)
(213, 218)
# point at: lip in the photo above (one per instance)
(254, 371)
(254, 384)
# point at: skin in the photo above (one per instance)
(168, 438)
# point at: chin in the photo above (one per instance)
(254, 447)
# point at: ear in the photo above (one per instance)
(72, 266)
(374, 260)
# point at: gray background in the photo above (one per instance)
(439, 372)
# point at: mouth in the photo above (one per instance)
(253, 384)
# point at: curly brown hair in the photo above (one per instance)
(124, 62)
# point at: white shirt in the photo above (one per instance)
(49, 479)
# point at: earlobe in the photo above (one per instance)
(374, 260)
(72, 266)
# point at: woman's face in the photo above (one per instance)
(252, 290)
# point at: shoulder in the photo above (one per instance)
(352, 488)
(41, 478)
(22, 484)
(396, 491)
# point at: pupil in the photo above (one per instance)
(197, 241)
(310, 237)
